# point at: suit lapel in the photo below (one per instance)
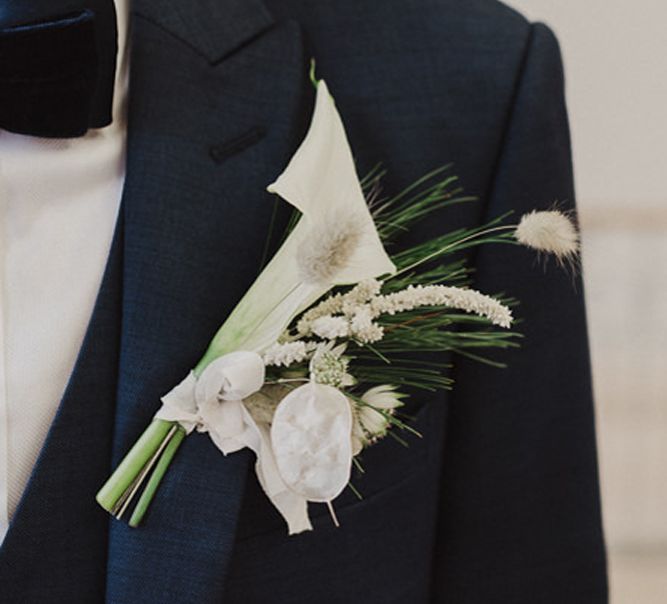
(219, 99)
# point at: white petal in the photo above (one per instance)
(321, 172)
(382, 397)
(225, 424)
(311, 438)
(321, 177)
(233, 376)
(373, 421)
(292, 507)
(358, 437)
(179, 404)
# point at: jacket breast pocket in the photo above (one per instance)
(382, 467)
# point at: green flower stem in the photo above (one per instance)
(210, 356)
(133, 463)
(156, 477)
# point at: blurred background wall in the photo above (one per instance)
(615, 54)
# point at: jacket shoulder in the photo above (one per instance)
(420, 82)
(395, 47)
(479, 21)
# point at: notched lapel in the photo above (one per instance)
(195, 230)
(214, 28)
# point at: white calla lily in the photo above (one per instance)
(334, 243)
(322, 182)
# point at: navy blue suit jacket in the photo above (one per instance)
(498, 503)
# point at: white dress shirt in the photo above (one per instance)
(59, 202)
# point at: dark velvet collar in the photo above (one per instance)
(57, 66)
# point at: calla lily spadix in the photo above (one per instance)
(334, 243)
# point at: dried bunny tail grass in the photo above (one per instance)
(327, 248)
(551, 231)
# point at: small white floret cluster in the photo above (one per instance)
(288, 353)
(329, 367)
(344, 304)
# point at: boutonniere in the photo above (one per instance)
(314, 363)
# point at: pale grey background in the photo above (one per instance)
(615, 54)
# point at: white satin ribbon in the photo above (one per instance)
(214, 404)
